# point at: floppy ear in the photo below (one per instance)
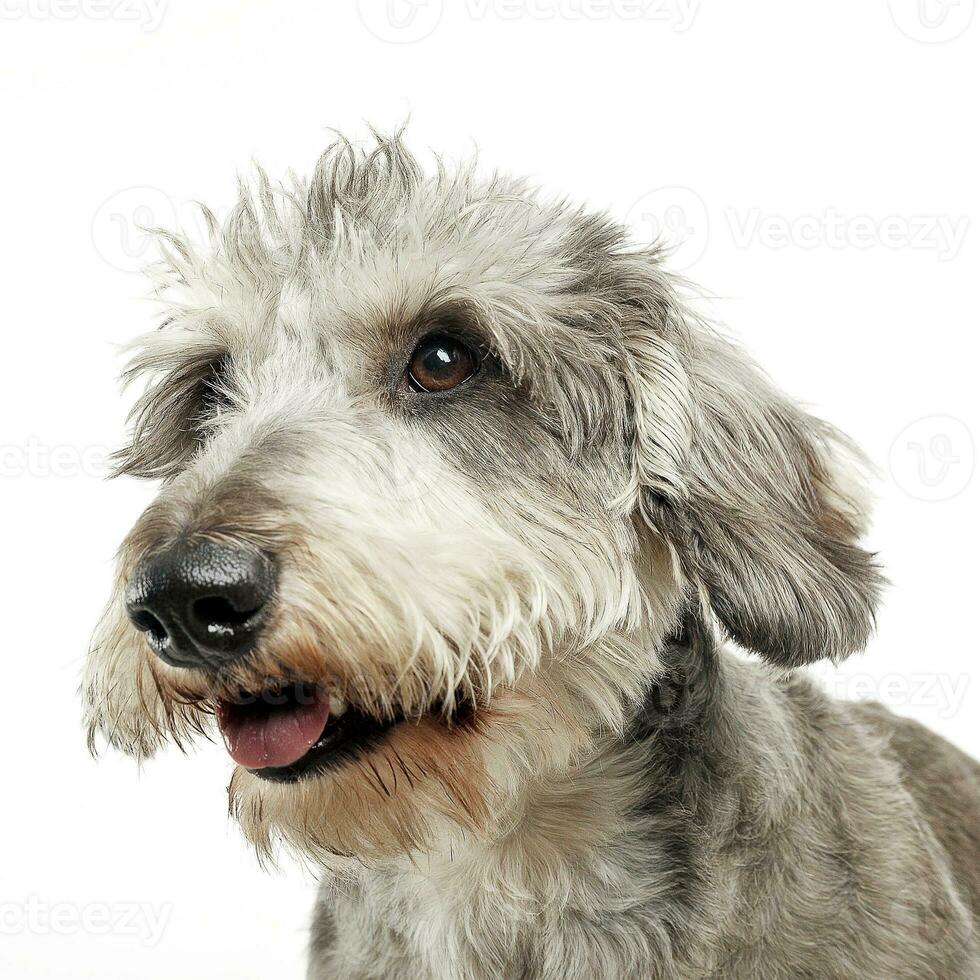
(762, 504)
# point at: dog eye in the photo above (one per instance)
(440, 363)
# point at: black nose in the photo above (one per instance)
(202, 605)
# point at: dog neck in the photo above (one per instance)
(609, 848)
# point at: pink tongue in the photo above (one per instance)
(279, 737)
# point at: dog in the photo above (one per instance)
(463, 505)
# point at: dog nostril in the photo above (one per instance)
(146, 622)
(202, 605)
(219, 616)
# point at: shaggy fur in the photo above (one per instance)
(538, 572)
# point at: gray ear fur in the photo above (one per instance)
(762, 503)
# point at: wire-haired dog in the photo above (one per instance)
(459, 497)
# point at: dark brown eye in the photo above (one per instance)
(441, 362)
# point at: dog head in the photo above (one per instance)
(442, 465)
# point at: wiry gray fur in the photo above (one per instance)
(563, 547)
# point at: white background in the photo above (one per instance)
(817, 166)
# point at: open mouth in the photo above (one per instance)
(285, 734)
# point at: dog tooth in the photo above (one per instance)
(337, 705)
